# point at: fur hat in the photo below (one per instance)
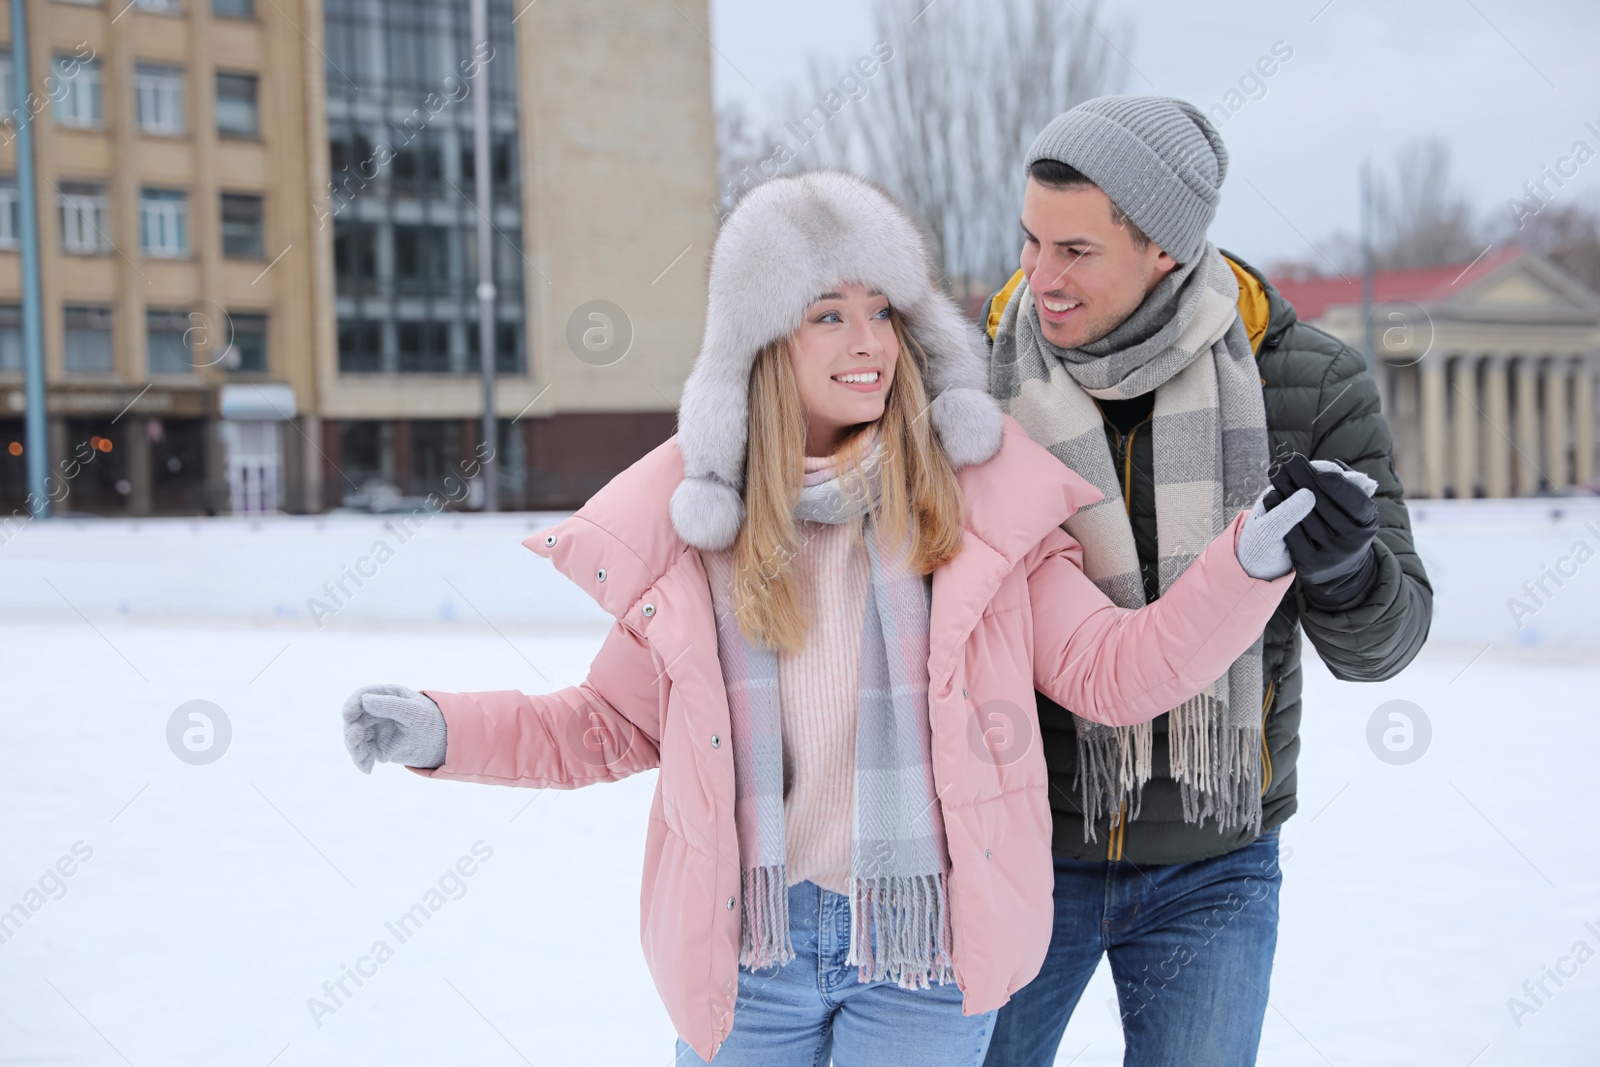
(788, 242)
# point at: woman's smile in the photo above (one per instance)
(861, 381)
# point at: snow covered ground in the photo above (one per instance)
(208, 905)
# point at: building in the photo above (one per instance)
(170, 148)
(603, 163)
(1488, 371)
(258, 247)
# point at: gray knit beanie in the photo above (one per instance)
(1158, 158)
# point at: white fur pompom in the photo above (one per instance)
(707, 513)
(968, 424)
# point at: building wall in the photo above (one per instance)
(616, 191)
(121, 157)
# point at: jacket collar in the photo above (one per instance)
(1281, 315)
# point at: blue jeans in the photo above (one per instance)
(1191, 949)
(816, 1005)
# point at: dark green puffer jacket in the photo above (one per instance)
(1321, 402)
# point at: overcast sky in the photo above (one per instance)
(1508, 84)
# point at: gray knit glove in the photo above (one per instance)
(393, 724)
(1261, 550)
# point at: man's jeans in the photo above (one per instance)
(1191, 952)
(816, 1005)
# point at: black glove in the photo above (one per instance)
(1331, 547)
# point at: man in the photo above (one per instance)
(1178, 381)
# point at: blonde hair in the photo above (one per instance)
(919, 505)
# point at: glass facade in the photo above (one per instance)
(401, 192)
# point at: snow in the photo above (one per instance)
(219, 898)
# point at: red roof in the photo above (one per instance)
(1312, 297)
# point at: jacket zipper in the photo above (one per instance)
(1266, 756)
(1125, 457)
(1119, 827)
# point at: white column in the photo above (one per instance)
(1433, 426)
(1464, 425)
(1527, 425)
(1583, 419)
(1497, 427)
(1555, 422)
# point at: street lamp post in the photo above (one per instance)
(486, 291)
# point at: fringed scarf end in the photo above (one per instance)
(900, 930)
(1113, 767)
(764, 917)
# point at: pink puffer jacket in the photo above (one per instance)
(1012, 613)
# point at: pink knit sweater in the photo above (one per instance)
(818, 690)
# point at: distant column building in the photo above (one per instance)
(170, 149)
(603, 212)
(1488, 371)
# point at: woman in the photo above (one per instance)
(836, 590)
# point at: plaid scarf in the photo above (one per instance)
(1186, 342)
(899, 911)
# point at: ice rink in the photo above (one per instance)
(211, 908)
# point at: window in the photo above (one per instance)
(424, 347)
(159, 92)
(418, 167)
(164, 223)
(366, 450)
(507, 348)
(167, 342)
(507, 260)
(352, 166)
(502, 164)
(360, 347)
(249, 354)
(417, 53)
(88, 339)
(10, 337)
(355, 41)
(355, 255)
(5, 80)
(10, 214)
(79, 102)
(435, 449)
(237, 115)
(84, 221)
(233, 9)
(160, 7)
(242, 236)
(421, 255)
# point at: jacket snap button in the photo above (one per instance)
(600, 575)
(716, 742)
(730, 903)
(648, 610)
(985, 853)
(549, 540)
(963, 694)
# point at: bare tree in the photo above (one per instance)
(1420, 218)
(741, 145)
(945, 122)
(1568, 234)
